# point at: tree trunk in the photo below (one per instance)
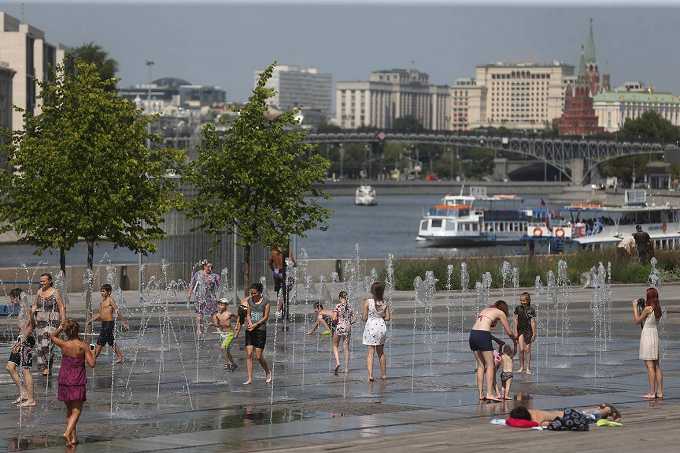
(246, 268)
(88, 290)
(62, 261)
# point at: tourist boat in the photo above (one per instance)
(365, 196)
(594, 226)
(476, 219)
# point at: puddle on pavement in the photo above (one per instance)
(118, 427)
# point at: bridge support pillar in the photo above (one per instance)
(577, 171)
(500, 169)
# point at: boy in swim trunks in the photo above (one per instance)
(106, 308)
(507, 366)
(222, 321)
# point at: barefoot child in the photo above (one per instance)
(72, 377)
(222, 322)
(106, 308)
(323, 317)
(525, 330)
(22, 354)
(507, 364)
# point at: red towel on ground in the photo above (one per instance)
(520, 423)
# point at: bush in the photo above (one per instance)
(623, 270)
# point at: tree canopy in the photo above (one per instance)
(259, 182)
(85, 171)
(650, 126)
(94, 54)
(407, 123)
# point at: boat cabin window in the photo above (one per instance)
(423, 225)
(451, 226)
(436, 223)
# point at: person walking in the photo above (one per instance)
(376, 312)
(256, 333)
(649, 340)
(343, 317)
(50, 312)
(205, 284)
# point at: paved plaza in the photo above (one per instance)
(171, 393)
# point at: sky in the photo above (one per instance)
(223, 43)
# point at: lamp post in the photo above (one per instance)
(149, 63)
(342, 162)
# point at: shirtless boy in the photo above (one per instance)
(507, 365)
(222, 321)
(106, 309)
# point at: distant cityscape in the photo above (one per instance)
(519, 96)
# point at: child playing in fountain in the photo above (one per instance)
(22, 353)
(525, 330)
(72, 376)
(507, 366)
(106, 308)
(323, 317)
(222, 322)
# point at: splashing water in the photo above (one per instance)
(449, 272)
(506, 273)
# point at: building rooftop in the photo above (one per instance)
(525, 64)
(621, 94)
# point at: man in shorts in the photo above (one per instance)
(277, 263)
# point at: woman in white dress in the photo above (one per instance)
(376, 312)
(649, 341)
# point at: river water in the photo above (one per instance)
(389, 227)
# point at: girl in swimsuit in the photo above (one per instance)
(480, 344)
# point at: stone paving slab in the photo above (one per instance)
(171, 393)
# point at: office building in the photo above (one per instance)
(24, 48)
(296, 87)
(389, 95)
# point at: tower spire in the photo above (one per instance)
(582, 75)
(590, 50)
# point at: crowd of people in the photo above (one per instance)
(42, 323)
(40, 326)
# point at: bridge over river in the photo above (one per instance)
(575, 159)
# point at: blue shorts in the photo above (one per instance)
(480, 340)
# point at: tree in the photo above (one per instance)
(258, 182)
(650, 127)
(95, 54)
(407, 124)
(85, 171)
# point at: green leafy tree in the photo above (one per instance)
(95, 54)
(407, 123)
(649, 127)
(85, 171)
(259, 182)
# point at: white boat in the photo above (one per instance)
(476, 219)
(365, 196)
(593, 226)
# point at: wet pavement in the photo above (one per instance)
(171, 393)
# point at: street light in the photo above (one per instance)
(342, 162)
(149, 63)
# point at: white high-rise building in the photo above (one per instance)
(295, 87)
(24, 49)
(389, 95)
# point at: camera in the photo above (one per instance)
(640, 307)
(92, 346)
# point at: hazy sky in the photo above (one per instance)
(222, 43)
